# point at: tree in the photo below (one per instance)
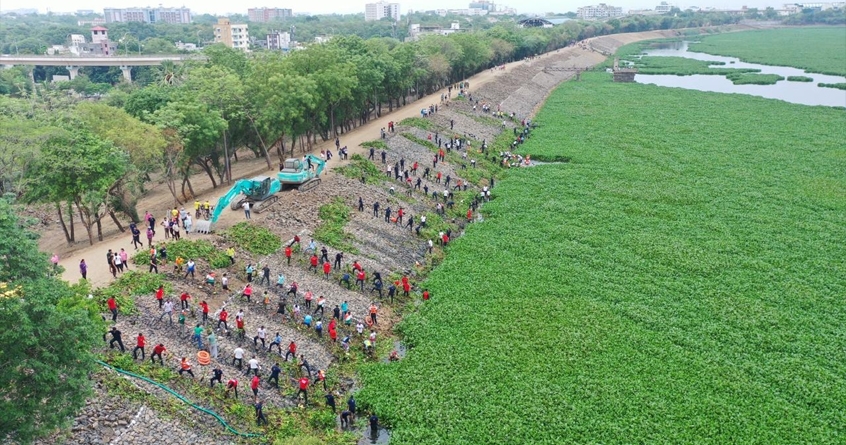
(76, 167)
(46, 349)
(199, 128)
(143, 143)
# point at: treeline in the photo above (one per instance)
(91, 159)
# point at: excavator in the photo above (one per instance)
(261, 191)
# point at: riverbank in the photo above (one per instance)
(662, 286)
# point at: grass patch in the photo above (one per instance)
(754, 79)
(687, 301)
(839, 86)
(252, 238)
(799, 79)
(130, 284)
(333, 217)
(818, 50)
(423, 142)
(359, 167)
(419, 122)
(681, 66)
(188, 249)
(378, 144)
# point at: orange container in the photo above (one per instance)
(203, 358)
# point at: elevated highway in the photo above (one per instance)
(72, 63)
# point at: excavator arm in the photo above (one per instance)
(242, 186)
(319, 164)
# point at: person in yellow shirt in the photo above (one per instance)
(177, 265)
(196, 208)
(230, 252)
(207, 208)
(174, 213)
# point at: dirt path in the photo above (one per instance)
(158, 199)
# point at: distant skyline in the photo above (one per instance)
(218, 7)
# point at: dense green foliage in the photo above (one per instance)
(754, 79)
(49, 331)
(839, 86)
(188, 250)
(252, 238)
(361, 169)
(661, 287)
(130, 284)
(333, 217)
(818, 50)
(799, 79)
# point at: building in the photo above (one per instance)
(796, 8)
(93, 22)
(262, 15)
(483, 4)
(232, 35)
(416, 31)
(470, 11)
(663, 8)
(148, 15)
(278, 40)
(599, 12)
(378, 11)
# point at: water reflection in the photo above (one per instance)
(805, 93)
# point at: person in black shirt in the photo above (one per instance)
(217, 376)
(330, 401)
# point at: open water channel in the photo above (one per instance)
(805, 93)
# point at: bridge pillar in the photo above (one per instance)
(73, 71)
(127, 73)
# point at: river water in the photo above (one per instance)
(805, 93)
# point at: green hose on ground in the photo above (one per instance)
(180, 397)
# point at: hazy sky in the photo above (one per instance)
(347, 6)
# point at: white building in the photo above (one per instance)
(147, 15)
(233, 35)
(378, 11)
(599, 12)
(416, 31)
(663, 8)
(278, 40)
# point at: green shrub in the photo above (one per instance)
(129, 284)
(189, 249)
(333, 217)
(378, 144)
(839, 86)
(252, 238)
(419, 122)
(359, 167)
(799, 79)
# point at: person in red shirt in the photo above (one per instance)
(406, 287)
(232, 384)
(160, 296)
(254, 385)
(184, 300)
(469, 215)
(414, 168)
(356, 266)
(438, 178)
(327, 268)
(288, 253)
(303, 389)
(359, 279)
(292, 351)
(333, 332)
(400, 212)
(222, 319)
(158, 350)
(239, 323)
(113, 308)
(205, 307)
(248, 292)
(425, 294)
(313, 263)
(140, 342)
(445, 239)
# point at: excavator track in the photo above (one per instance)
(308, 185)
(264, 205)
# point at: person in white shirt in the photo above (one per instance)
(168, 310)
(246, 207)
(238, 355)
(254, 366)
(261, 334)
(359, 327)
